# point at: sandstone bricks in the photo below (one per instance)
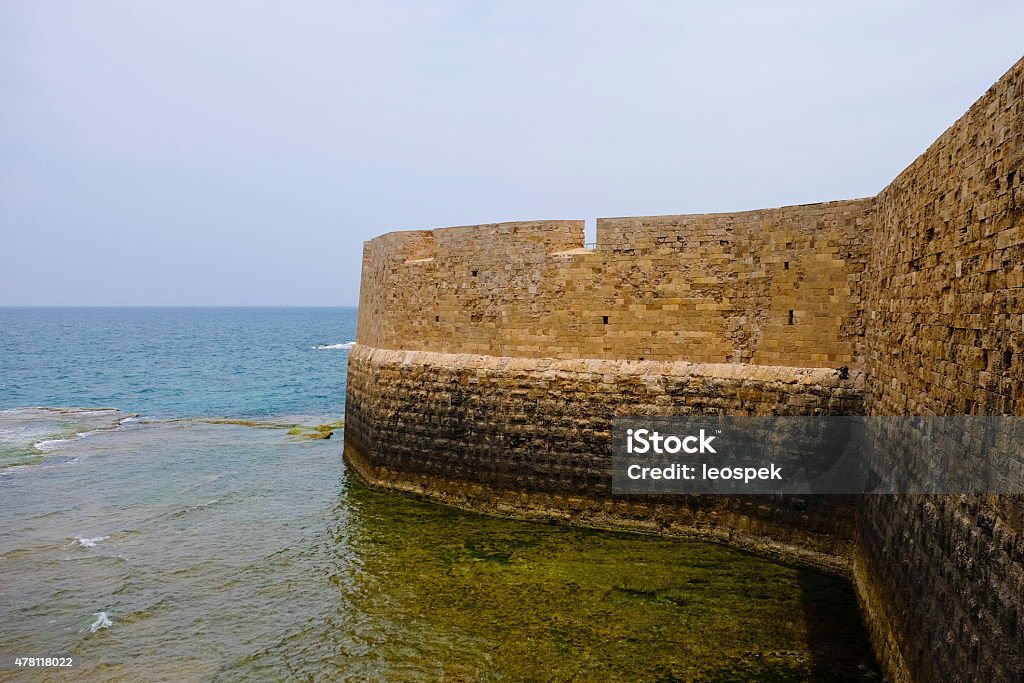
(770, 287)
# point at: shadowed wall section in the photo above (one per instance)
(945, 336)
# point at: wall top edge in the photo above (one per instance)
(745, 212)
(571, 229)
(978, 107)
(500, 226)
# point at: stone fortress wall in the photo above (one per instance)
(491, 359)
(769, 287)
(531, 437)
(945, 336)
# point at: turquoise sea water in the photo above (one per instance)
(177, 361)
(158, 521)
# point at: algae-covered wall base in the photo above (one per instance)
(532, 437)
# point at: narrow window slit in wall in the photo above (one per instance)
(1007, 359)
(474, 273)
(604, 319)
(437, 318)
(785, 265)
(790, 317)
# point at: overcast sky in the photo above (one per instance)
(238, 153)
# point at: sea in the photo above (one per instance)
(165, 515)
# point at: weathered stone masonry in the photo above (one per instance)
(945, 335)
(530, 437)
(491, 359)
(771, 287)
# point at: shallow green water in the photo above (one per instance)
(527, 601)
(227, 553)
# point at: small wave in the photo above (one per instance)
(50, 444)
(90, 542)
(326, 347)
(102, 621)
(193, 508)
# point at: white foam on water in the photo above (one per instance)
(90, 542)
(325, 347)
(102, 621)
(50, 444)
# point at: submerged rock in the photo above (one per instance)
(323, 431)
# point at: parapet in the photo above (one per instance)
(707, 232)
(769, 287)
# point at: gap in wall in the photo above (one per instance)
(590, 232)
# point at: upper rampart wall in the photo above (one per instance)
(768, 287)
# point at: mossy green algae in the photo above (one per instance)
(322, 431)
(482, 598)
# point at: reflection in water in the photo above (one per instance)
(220, 552)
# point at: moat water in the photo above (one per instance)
(158, 542)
